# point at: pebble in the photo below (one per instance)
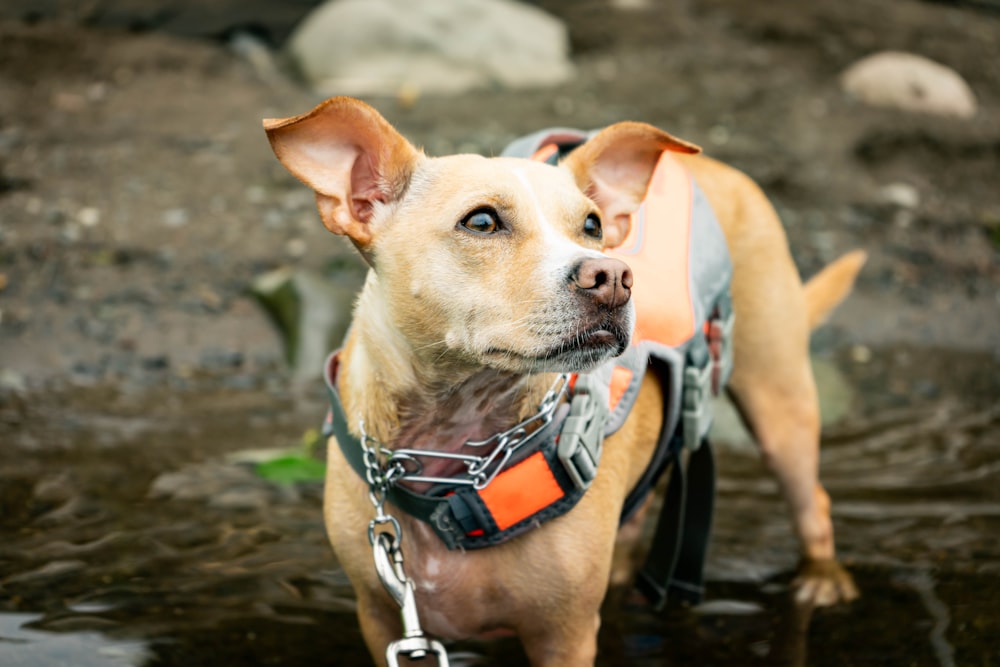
(861, 354)
(719, 135)
(902, 195)
(176, 217)
(296, 247)
(89, 216)
(909, 82)
(13, 382)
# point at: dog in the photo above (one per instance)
(488, 278)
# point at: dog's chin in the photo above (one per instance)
(578, 354)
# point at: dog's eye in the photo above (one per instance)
(592, 226)
(482, 221)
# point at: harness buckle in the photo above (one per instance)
(582, 434)
(697, 408)
(389, 567)
(706, 371)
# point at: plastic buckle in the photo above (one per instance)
(582, 434)
(696, 408)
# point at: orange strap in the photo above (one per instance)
(521, 491)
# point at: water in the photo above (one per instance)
(129, 535)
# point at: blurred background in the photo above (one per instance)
(167, 292)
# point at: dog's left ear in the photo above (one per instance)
(614, 167)
(351, 156)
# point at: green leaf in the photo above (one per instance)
(291, 469)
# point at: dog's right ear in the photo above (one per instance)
(351, 156)
(614, 167)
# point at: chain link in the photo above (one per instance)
(385, 467)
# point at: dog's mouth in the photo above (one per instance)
(579, 352)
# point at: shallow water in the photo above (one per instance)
(129, 535)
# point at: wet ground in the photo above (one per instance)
(134, 531)
(139, 380)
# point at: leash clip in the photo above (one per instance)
(413, 644)
(582, 434)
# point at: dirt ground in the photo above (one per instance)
(138, 196)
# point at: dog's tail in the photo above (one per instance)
(831, 285)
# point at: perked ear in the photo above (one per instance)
(614, 167)
(351, 156)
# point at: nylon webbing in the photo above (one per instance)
(674, 568)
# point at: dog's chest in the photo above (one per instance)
(458, 593)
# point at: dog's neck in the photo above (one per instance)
(416, 398)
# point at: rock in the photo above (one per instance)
(312, 314)
(176, 217)
(383, 47)
(909, 82)
(901, 195)
(88, 216)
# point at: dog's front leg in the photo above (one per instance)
(564, 642)
(380, 625)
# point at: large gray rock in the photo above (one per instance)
(911, 83)
(388, 47)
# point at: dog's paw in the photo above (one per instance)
(823, 583)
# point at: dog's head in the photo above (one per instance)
(493, 262)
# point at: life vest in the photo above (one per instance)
(682, 271)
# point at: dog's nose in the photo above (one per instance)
(608, 281)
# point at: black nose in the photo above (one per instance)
(606, 280)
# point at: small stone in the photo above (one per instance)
(861, 354)
(719, 135)
(296, 248)
(13, 382)
(210, 298)
(902, 195)
(70, 233)
(909, 82)
(176, 217)
(240, 499)
(70, 102)
(96, 92)
(89, 216)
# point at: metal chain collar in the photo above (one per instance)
(407, 465)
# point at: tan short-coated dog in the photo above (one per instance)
(486, 278)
